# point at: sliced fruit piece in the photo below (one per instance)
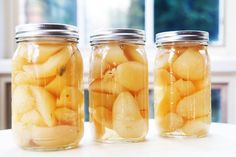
(190, 65)
(65, 116)
(206, 119)
(74, 70)
(97, 67)
(185, 87)
(127, 120)
(132, 75)
(142, 99)
(134, 53)
(38, 53)
(33, 118)
(18, 63)
(80, 129)
(200, 84)
(99, 129)
(42, 52)
(171, 122)
(23, 134)
(145, 114)
(166, 99)
(164, 60)
(54, 136)
(163, 77)
(24, 51)
(195, 105)
(70, 97)
(103, 116)
(25, 78)
(161, 61)
(22, 100)
(101, 99)
(57, 85)
(106, 85)
(69, 75)
(196, 128)
(114, 55)
(51, 66)
(46, 104)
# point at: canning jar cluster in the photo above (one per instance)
(48, 93)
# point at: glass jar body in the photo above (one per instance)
(182, 89)
(47, 94)
(118, 92)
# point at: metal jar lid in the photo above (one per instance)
(182, 35)
(46, 30)
(118, 34)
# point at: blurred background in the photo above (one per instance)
(215, 16)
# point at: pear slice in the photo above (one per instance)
(114, 55)
(106, 85)
(195, 105)
(99, 129)
(103, 116)
(101, 99)
(185, 87)
(161, 61)
(70, 97)
(200, 84)
(135, 53)
(22, 100)
(165, 60)
(98, 66)
(65, 116)
(33, 118)
(163, 77)
(24, 78)
(171, 122)
(127, 120)
(190, 65)
(42, 52)
(142, 99)
(38, 52)
(74, 70)
(46, 104)
(132, 75)
(18, 63)
(51, 66)
(196, 128)
(166, 99)
(69, 75)
(52, 137)
(57, 84)
(23, 133)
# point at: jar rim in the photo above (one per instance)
(118, 34)
(182, 35)
(46, 30)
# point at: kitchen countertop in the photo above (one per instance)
(220, 142)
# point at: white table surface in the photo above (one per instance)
(220, 142)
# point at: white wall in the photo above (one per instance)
(1, 28)
(224, 57)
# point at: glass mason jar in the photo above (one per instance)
(182, 85)
(47, 87)
(118, 85)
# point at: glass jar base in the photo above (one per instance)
(180, 134)
(56, 148)
(121, 140)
